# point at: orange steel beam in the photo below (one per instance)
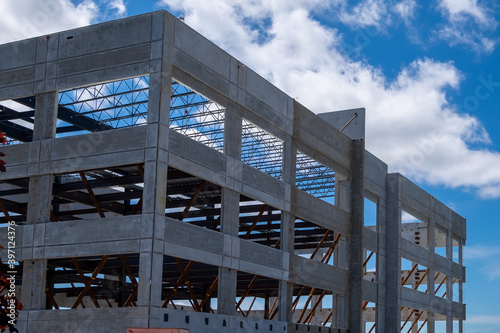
(416, 321)
(193, 199)
(323, 239)
(302, 312)
(327, 257)
(420, 328)
(421, 279)
(180, 280)
(247, 291)
(313, 310)
(403, 281)
(91, 193)
(183, 276)
(209, 292)
(188, 285)
(272, 306)
(130, 273)
(328, 318)
(93, 276)
(408, 319)
(368, 259)
(257, 219)
(250, 307)
(51, 298)
(373, 327)
(85, 282)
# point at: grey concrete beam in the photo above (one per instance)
(105, 36)
(94, 150)
(197, 238)
(316, 274)
(315, 210)
(86, 320)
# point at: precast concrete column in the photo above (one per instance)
(393, 257)
(381, 265)
(39, 201)
(341, 254)
(356, 247)
(449, 280)
(287, 244)
(431, 272)
(226, 288)
(156, 165)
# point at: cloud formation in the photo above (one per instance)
(411, 123)
(468, 24)
(31, 18)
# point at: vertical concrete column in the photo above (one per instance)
(393, 255)
(226, 289)
(431, 272)
(341, 253)
(381, 264)
(156, 165)
(449, 280)
(356, 248)
(39, 201)
(287, 245)
(460, 285)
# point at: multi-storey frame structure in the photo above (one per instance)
(156, 181)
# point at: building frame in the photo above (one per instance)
(155, 181)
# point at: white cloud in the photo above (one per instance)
(411, 124)
(457, 10)
(365, 13)
(406, 9)
(119, 6)
(31, 18)
(468, 23)
(24, 19)
(473, 252)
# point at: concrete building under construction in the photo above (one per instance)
(157, 182)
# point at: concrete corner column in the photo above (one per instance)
(287, 244)
(226, 289)
(393, 258)
(431, 272)
(356, 248)
(39, 201)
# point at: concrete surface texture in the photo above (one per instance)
(157, 182)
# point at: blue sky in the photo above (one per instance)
(426, 71)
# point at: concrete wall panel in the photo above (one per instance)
(201, 49)
(94, 61)
(101, 76)
(319, 275)
(18, 54)
(17, 76)
(98, 230)
(101, 37)
(193, 236)
(315, 210)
